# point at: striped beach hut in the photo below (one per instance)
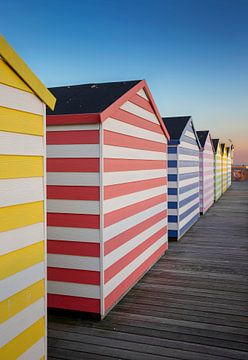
(206, 171)
(217, 169)
(107, 193)
(183, 175)
(229, 165)
(22, 209)
(224, 166)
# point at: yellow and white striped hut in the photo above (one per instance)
(23, 100)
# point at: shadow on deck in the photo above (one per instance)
(192, 304)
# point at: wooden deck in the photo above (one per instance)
(193, 304)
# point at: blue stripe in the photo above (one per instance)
(187, 212)
(172, 177)
(172, 205)
(172, 163)
(185, 151)
(188, 199)
(172, 149)
(189, 224)
(172, 234)
(188, 175)
(172, 191)
(172, 218)
(188, 187)
(186, 163)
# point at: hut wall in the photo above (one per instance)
(224, 170)
(217, 174)
(206, 176)
(22, 220)
(229, 169)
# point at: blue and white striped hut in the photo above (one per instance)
(183, 175)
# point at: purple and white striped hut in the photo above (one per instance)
(206, 171)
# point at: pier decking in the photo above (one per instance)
(192, 304)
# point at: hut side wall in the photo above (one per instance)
(229, 169)
(172, 191)
(224, 171)
(206, 176)
(73, 207)
(135, 195)
(188, 180)
(22, 220)
(217, 174)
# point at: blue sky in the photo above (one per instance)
(193, 53)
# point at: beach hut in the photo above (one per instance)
(206, 171)
(217, 169)
(22, 208)
(229, 165)
(224, 167)
(183, 175)
(107, 193)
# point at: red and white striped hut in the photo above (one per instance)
(107, 193)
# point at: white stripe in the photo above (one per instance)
(172, 212)
(20, 191)
(111, 178)
(20, 100)
(21, 321)
(123, 225)
(186, 170)
(182, 157)
(73, 289)
(127, 129)
(142, 93)
(188, 206)
(126, 200)
(190, 134)
(186, 145)
(73, 206)
(186, 182)
(20, 144)
(73, 234)
(73, 127)
(189, 217)
(35, 352)
(74, 151)
(172, 226)
(19, 238)
(118, 152)
(172, 157)
(139, 111)
(73, 178)
(19, 281)
(172, 198)
(188, 193)
(73, 262)
(123, 274)
(124, 249)
(172, 171)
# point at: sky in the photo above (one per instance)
(193, 53)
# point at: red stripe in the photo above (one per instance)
(73, 303)
(116, 139)
(112, 191)
(140, 101)
(74, 276)
(132, 119)
(73, 220)
(73, 165)
(123, 287)
(114, 269)
(72, 137)
(132, 164)
(73, 248)
(125, 212)
(129, 234)
(69, 119)
(73, 192)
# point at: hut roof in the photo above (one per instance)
(202, 136)
(215, 144)
(176, 125)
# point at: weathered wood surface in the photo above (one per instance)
(193, 304)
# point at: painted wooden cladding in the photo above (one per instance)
(107, 206)
(22, 220)
(229, 167)
(224, 169)
(206, 176)
(217, 173)
(183, 185)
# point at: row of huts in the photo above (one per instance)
(120, 180)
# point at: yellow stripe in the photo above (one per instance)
(14, 166)
(21, 259)
(12, 217)
(21, 122)
(25, 73)
(9, 77)
(21, 300)
(24, 341)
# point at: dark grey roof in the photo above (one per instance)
(176, 125)
(202, 136)
(222, 147)
(215, 143)
(88, 98)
